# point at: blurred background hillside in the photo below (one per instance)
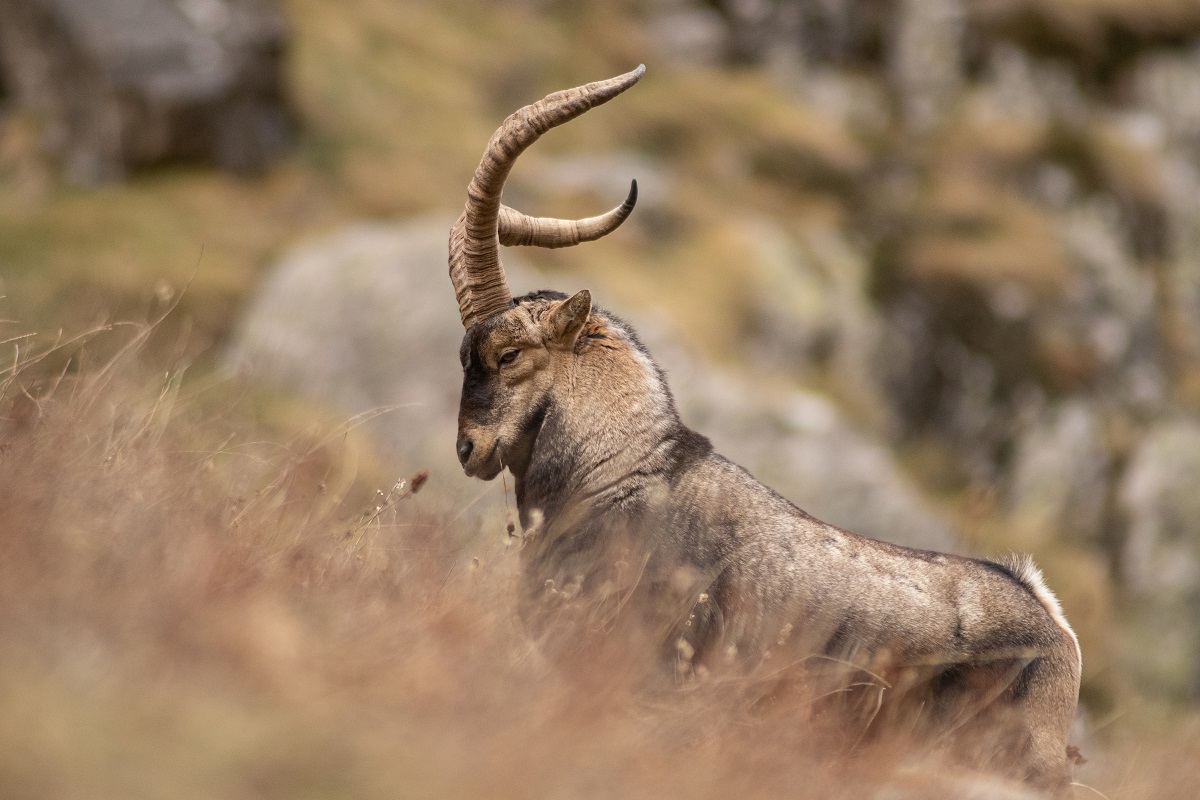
(930, 267)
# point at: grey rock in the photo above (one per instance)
(1018, 87)
(853, 101)
(1111, 309)
(1182, 171)
(1160, 496)
(1059, 477)
(123, 83)
(783, 34)
(1160, 561)
(755, 30)
(806, 305)
(686, 34)
(363, 322)
(1167, 84)
(936, 383)
(926, 67)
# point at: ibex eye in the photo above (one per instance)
(508, 357)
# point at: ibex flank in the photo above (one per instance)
(623, 506)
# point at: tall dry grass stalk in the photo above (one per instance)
(188, 612)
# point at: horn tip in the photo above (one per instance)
(631, 200)
(629, 78)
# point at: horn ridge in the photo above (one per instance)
(458, 274)
(517, 229)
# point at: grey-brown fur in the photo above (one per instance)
(628, 512)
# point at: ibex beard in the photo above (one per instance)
(627, 511)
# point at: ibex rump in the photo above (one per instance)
(618, 498)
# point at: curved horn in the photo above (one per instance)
(518, 229)
(475, 267)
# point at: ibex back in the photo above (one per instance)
(620, 500)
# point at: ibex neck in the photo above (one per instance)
(609, 415)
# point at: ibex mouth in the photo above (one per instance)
(484, 467)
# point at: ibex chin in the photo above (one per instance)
(624, 505)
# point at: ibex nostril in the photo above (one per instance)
(465, 447)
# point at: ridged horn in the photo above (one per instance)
(517, 229)
(475, 267)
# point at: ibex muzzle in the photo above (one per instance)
(619, 499)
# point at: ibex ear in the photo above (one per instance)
(570, 316)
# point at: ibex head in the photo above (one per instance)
(514, 350)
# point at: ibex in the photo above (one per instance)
(622, 502)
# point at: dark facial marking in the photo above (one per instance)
(479, 391)
(464, 349)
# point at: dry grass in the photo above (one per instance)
(978, 235)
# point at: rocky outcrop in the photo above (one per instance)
(1059, 478)
(1161, 556)
(125, 83)
(1158, 495)
(358, 323)
(1097, 40)
(926, 60)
